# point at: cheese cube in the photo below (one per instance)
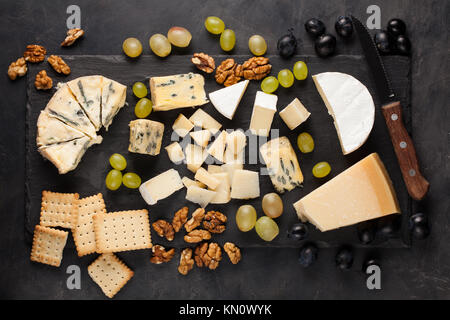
(208, 179)
(362, 192)
(175, 152)
(217, 148)
(189, 182)
(200, 196)
(201, 119)
(146, 136)
(212, 168)
(201, 137)
(223, 190)
(182, 126)
(195, 156)
(230, 168)
(178, 91)
(236, 141)
(294, 114)
(245, 184)
(161, 186)
(263, 111)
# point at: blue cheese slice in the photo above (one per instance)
(146, 136)
(177, 91)
(65, 107)
(113, 99)
(51, 130)
(88, 92)
(67, 155)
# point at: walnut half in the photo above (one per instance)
(43, 81)
(255, 68)
(35, 53)
(17, 69)
(226, 73)
(72, 36)
(186, 262)
(208, 255)
(160, 255)
(233, 252)
(203, 62)
(59, 64)
(180, 218)
(196, 220)
(164, 229)
(215, 222)
(196, 236)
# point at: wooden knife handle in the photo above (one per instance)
(416, 184)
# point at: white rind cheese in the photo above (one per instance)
(161, 186)
(175, 152)
(201, 119)
(51, 130)
(264, 109)
(245, 185)
(178, 91)
(199, 195)
(146, 136)
(227, 100)
(294, 114)
(351, 106)
(114, 95)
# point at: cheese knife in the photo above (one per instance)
(416, 184)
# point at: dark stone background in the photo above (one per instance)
(420, 272)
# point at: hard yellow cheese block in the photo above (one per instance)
(362, 192)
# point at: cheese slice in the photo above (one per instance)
(146, 136)
(350, 104)
(182, 125)
(245, 184)
(294, 114)
(206, 178)
(213, 168)
(236, 141)
(88, 92)
(264, 109)
(175, 152)
(282, 164)
(178, 91)
(201, 119)
(201, 137)
(67, 155)
(65, 107)
(217, 148)
(189, 182)
(195, 156)
(227, 100)
(161, 186)
(362, 192)
(230, 157)
(223, 190)
(199, 195)
(51, 130)
(230, 168)
(114, 95)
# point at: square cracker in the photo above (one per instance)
(122, 231)
(48, 245)
(83, 233)
(109, 273)
(59, 209)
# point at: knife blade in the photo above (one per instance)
(405, 151)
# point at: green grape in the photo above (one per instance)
(300, 70)
(160, 45)
(257, 45)
(272, 205)
(286, 78)
(269, 84)
(227, 40)
(246, 218)
(114, 180)
(132, 47)
(305, 142)
(321, 169)
(118, 161)
(143, 108)
(131, 180)
(179, 36)
(266, 228)
(214, 25)
(140, 90)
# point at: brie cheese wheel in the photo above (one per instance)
(51, 130)
(351, 106)
(227, 100)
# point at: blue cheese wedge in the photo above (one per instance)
(51, 130)
(113, 99)
(67, 155)
(146, 136)
(282, 164)
(88, 92)
(178, 91)
(65, 107)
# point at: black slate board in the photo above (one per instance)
(89, 177)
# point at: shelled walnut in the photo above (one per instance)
(43, 81)
(255, 68)
(34, 53)
(215, 222)
(226, 73)
(186, 262)
(203, 62)
(180, 218)
(196, 220)
(164, 229)
(200, 251)
(233, 252)
(208, 255)
(59, 64)
(160, 255)
(196, 236)
(17, 68)
(72, 36)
